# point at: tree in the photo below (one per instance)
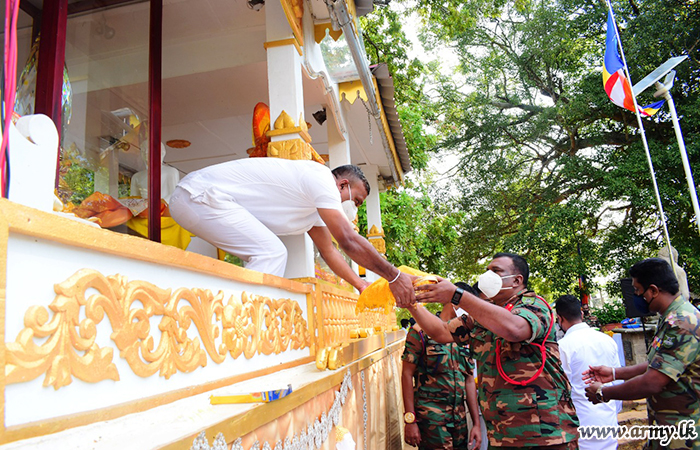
(548, 166)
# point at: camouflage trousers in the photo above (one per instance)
(442, 425)
(442, 437)
(572, 445)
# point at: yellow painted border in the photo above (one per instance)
(31, 222)
(291, 18)
(282, 43)
(387, 131)
(242, 424)
(42, 428)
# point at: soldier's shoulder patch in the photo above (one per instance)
(528, 300)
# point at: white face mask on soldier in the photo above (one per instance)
(349, 207)
(490, 283)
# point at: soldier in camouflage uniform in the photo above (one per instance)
(436, 381)
(670, 380)
(527, 403)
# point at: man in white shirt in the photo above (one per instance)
(242, 207)
(580, 348)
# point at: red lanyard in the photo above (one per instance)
(542, 348)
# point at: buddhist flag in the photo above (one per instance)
(616, 84)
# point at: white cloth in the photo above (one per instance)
(580, 348)
(242, 206)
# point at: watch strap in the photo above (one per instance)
(457, 296)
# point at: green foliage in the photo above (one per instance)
(81, 182)
(610, 312)
(548, 166)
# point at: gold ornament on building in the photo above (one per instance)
(60, 342)
(376, 238)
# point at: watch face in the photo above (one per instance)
(409, 417)
(457, 296)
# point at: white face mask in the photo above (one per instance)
(349, 207)
(490, 283)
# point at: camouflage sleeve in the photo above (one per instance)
(460, 327)
(537, 315)
(414, 347)
(676, 351)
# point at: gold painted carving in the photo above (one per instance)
(295, 149)
(338, 317)
(289, 149)
(285, 125)
(294, 10)
(351, 90)
(63, 344)
(379, 244)
(320, 32)
(376, 238)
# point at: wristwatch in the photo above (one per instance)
(409, 417)
(599, 394)
(457, 296)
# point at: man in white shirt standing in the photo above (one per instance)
(580, 348)
(242, 207)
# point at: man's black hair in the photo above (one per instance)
(519, 263)
(351, 172)
(655, 271)
(405, 323)
(569, 307)
(412, 321)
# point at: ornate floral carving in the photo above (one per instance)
(62, 345)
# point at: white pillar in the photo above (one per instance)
(285, 85)
(284, 77)
(374, 212)
(338, 146)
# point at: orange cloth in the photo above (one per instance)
(378, 295)
(107, 210)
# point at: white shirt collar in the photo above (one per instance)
(574, 328)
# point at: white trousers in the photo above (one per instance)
(230, 227)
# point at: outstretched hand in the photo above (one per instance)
(591, 390)
(402, 289)
(440, 292)
(597, 374)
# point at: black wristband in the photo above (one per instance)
(457, 296)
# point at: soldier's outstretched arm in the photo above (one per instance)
(500, 321)
(432, 325)
(652, 382)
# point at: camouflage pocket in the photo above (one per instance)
(435, 358)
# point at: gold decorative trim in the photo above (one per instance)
(242, 424)
(375, 231)
(378, 243)
(294, 11)
(284, 124)
(320, 32)
(351, 90)
(44, 427)
(282, 43)
(249, 325)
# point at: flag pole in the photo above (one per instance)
(665, 92)
(662, 215)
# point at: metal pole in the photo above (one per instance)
(684, 157)
(662, 215)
